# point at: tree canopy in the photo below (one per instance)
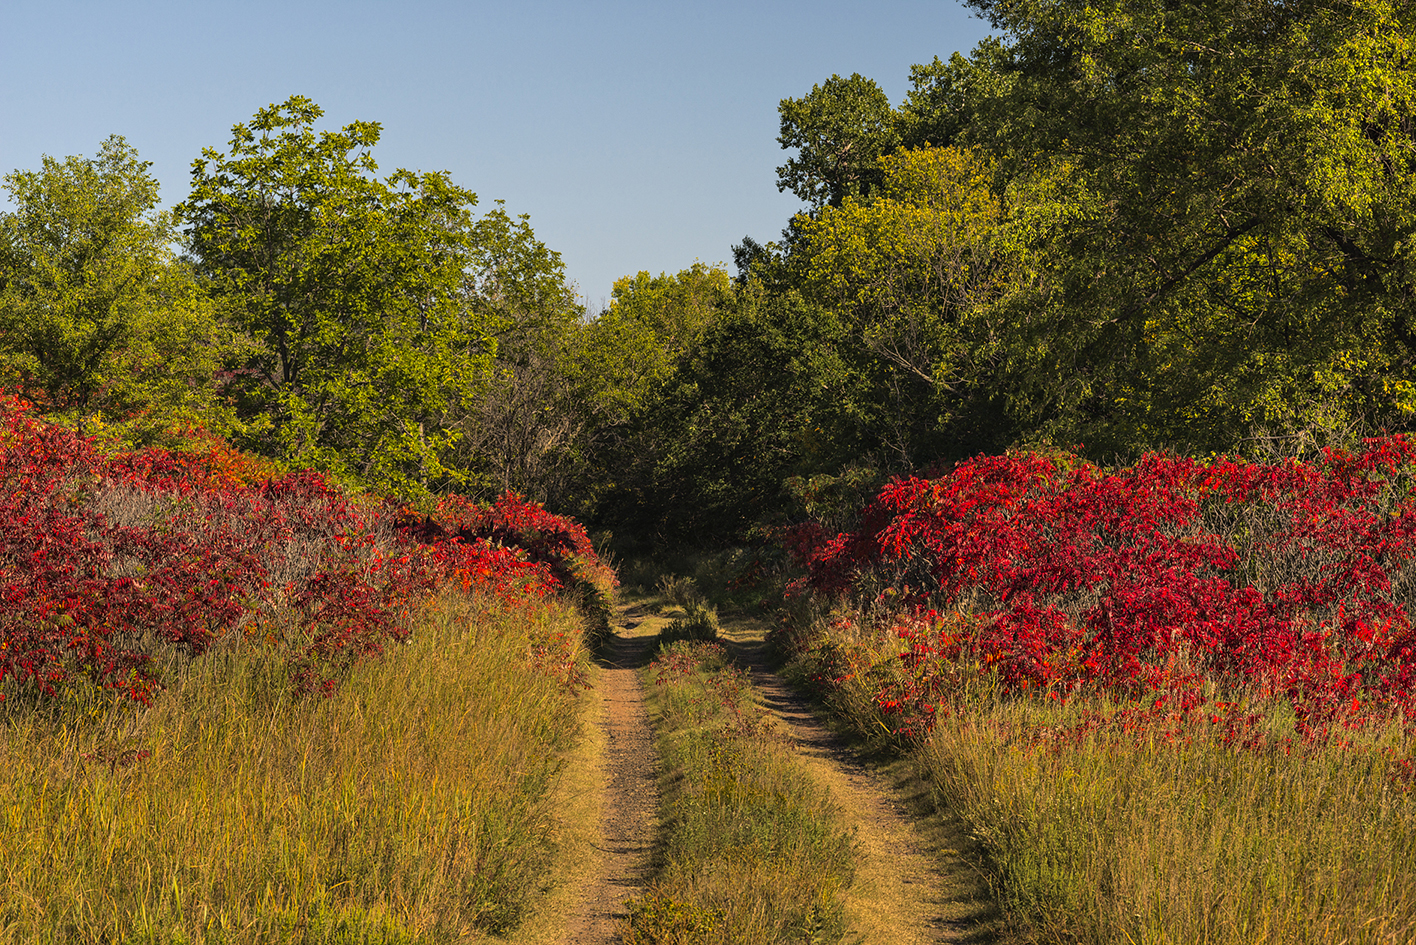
(1221, 199)
(1207, 211)
(355, 287)
(98, 320)
(839, 130)
(1112, 227)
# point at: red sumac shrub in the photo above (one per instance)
(1291, 580)
(104, 558)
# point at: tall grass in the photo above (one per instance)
(730, 579)
(1136, 837)
(1147, 841)
(408, 806)
(753, 851)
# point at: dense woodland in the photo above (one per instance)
(1114, 227)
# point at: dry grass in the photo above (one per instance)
(409, 806)
(754, 852)
(1132, 838)
(1150, 842)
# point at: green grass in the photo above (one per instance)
(730, 579)
(409, 806)
(698, 619)
(752, 852)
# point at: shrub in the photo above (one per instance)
(108, 558)
(1182, 585)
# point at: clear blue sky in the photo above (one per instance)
(636, 135)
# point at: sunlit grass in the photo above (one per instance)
(1141, 840)
(1136, 837)
(408, 806)
(753, 851)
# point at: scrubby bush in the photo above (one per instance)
(107, 558)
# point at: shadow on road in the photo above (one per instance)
(624, 648)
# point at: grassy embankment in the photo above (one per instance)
(414, 804)
(1112, 837)
(1173, 700)
(753, 851)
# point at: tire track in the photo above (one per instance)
(913, 884)
(630, 800)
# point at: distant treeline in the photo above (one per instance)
(1111, 228)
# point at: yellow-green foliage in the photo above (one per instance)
(910, 269)
(409, 806)
(631, 347)
(927, 238)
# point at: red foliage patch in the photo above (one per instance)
(1162, 583)
(104, 558)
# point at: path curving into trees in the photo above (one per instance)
(914, 883)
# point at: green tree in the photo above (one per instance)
(762, 396)
(98, 321)
(652, 321)
(945, 97)
(912, 273)
(617, 367)
(517, 284)
(524, 429)
(839, 129)
(1220, 200)
(356, 289)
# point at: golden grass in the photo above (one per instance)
(753, 852)
(409, 806)
(1133, 839)
(1149, 842)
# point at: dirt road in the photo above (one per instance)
(630, 800)
(913, 885)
